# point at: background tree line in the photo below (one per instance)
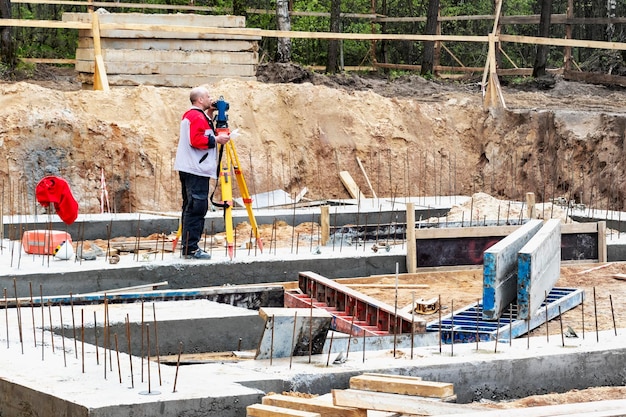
(61, 43)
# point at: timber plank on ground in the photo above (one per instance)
(312, 405)
(403, 386)
(262, 410)
(351, 186)
(407, 404)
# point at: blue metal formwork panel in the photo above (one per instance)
(466, 325)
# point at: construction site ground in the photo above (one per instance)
(298, 151)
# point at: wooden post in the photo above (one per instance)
(530, 205)
(100, 80)
(567, 53)
(324, 225)
(411, 245)
(602, 255)
(437, 54)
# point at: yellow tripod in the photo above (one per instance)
(229, 163)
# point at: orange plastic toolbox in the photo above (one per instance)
(43, 242)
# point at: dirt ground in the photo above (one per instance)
(300, 129)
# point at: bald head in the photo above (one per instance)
(197, 93)
(200, 97)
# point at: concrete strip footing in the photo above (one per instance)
(500, 270)
(539, 263)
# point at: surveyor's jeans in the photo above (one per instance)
(195, 190)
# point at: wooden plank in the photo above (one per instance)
(595, 78)
(262, 410)
(151, 68)
(186, 57)
(404, 386)
(86, 42)
(381, 401)
(158, 80)
(312, 405)
(411, 378)
(197, 20)
(53, 24)
(350, 185)
(369, 184)
(100, 80)
(563, 42)
(567, 228)
(460, 232)
(48, 60)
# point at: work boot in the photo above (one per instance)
(198, 254)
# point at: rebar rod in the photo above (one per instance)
(51, 331)
(6, 314)
(130, 352)
(613, 314)
(117, 354)
(62, 334)
(95, 335)
(19, 315)
(156, 343)
(595, 313)
(180, 350)
(32, 311)
(82, 341)
(148, 356)
(73, 325)
(272, 341)
(452, 328)
(477, 321)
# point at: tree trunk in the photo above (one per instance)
(283, 21)
(239, 8)
(7, 43)
(333, 65)
(539, 69)
(431, 29)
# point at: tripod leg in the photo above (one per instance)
(226, 185)
(245, 194)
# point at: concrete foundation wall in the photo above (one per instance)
(503, 379)
(196, 275)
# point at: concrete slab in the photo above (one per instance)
(539, 263)
(500, 270)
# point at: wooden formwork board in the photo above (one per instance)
(160, 50)
(158, 80)
(186, 57)
(139, 68)
(178, 19)
(86, 42)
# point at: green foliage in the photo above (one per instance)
(62, 43)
